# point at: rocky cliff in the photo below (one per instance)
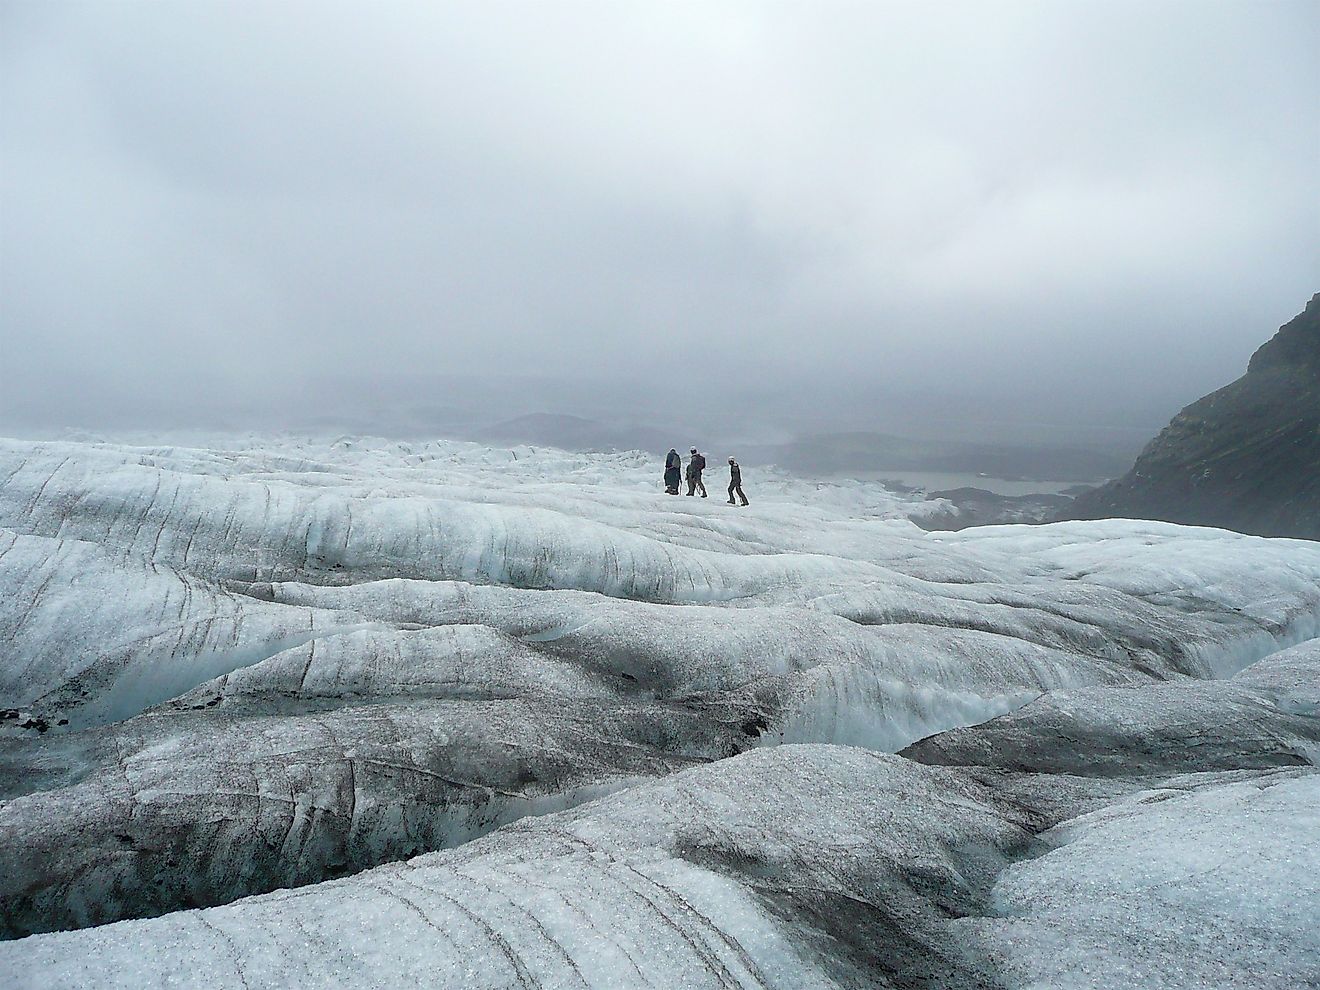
(1246, 457)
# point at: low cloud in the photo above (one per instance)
(1036, 210)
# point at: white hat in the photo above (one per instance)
(693, 449)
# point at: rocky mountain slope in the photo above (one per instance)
(1246, 457)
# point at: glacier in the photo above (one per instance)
(286, 711)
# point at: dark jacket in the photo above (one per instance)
(673, 471)
(735, 473)
(696, 466)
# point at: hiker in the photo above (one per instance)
(673, 469)
(735, 482)
(696, 464)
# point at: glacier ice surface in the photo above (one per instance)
(562, 710)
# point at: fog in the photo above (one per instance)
(1041, 221)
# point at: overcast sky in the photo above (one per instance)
(1096, 207)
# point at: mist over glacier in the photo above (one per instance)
(512, 716)
(1055, 222)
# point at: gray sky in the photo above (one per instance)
(1061, 211)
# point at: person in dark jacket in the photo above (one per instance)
(696, 464)
(673, 471)
(735, 482)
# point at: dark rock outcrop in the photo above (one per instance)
(1246, 457)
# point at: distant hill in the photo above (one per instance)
(842, 452)
(1246, 457)
(577, 433)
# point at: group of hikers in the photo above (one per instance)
(695, 465)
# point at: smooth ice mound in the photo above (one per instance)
(1200, 885)
(269, 664)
